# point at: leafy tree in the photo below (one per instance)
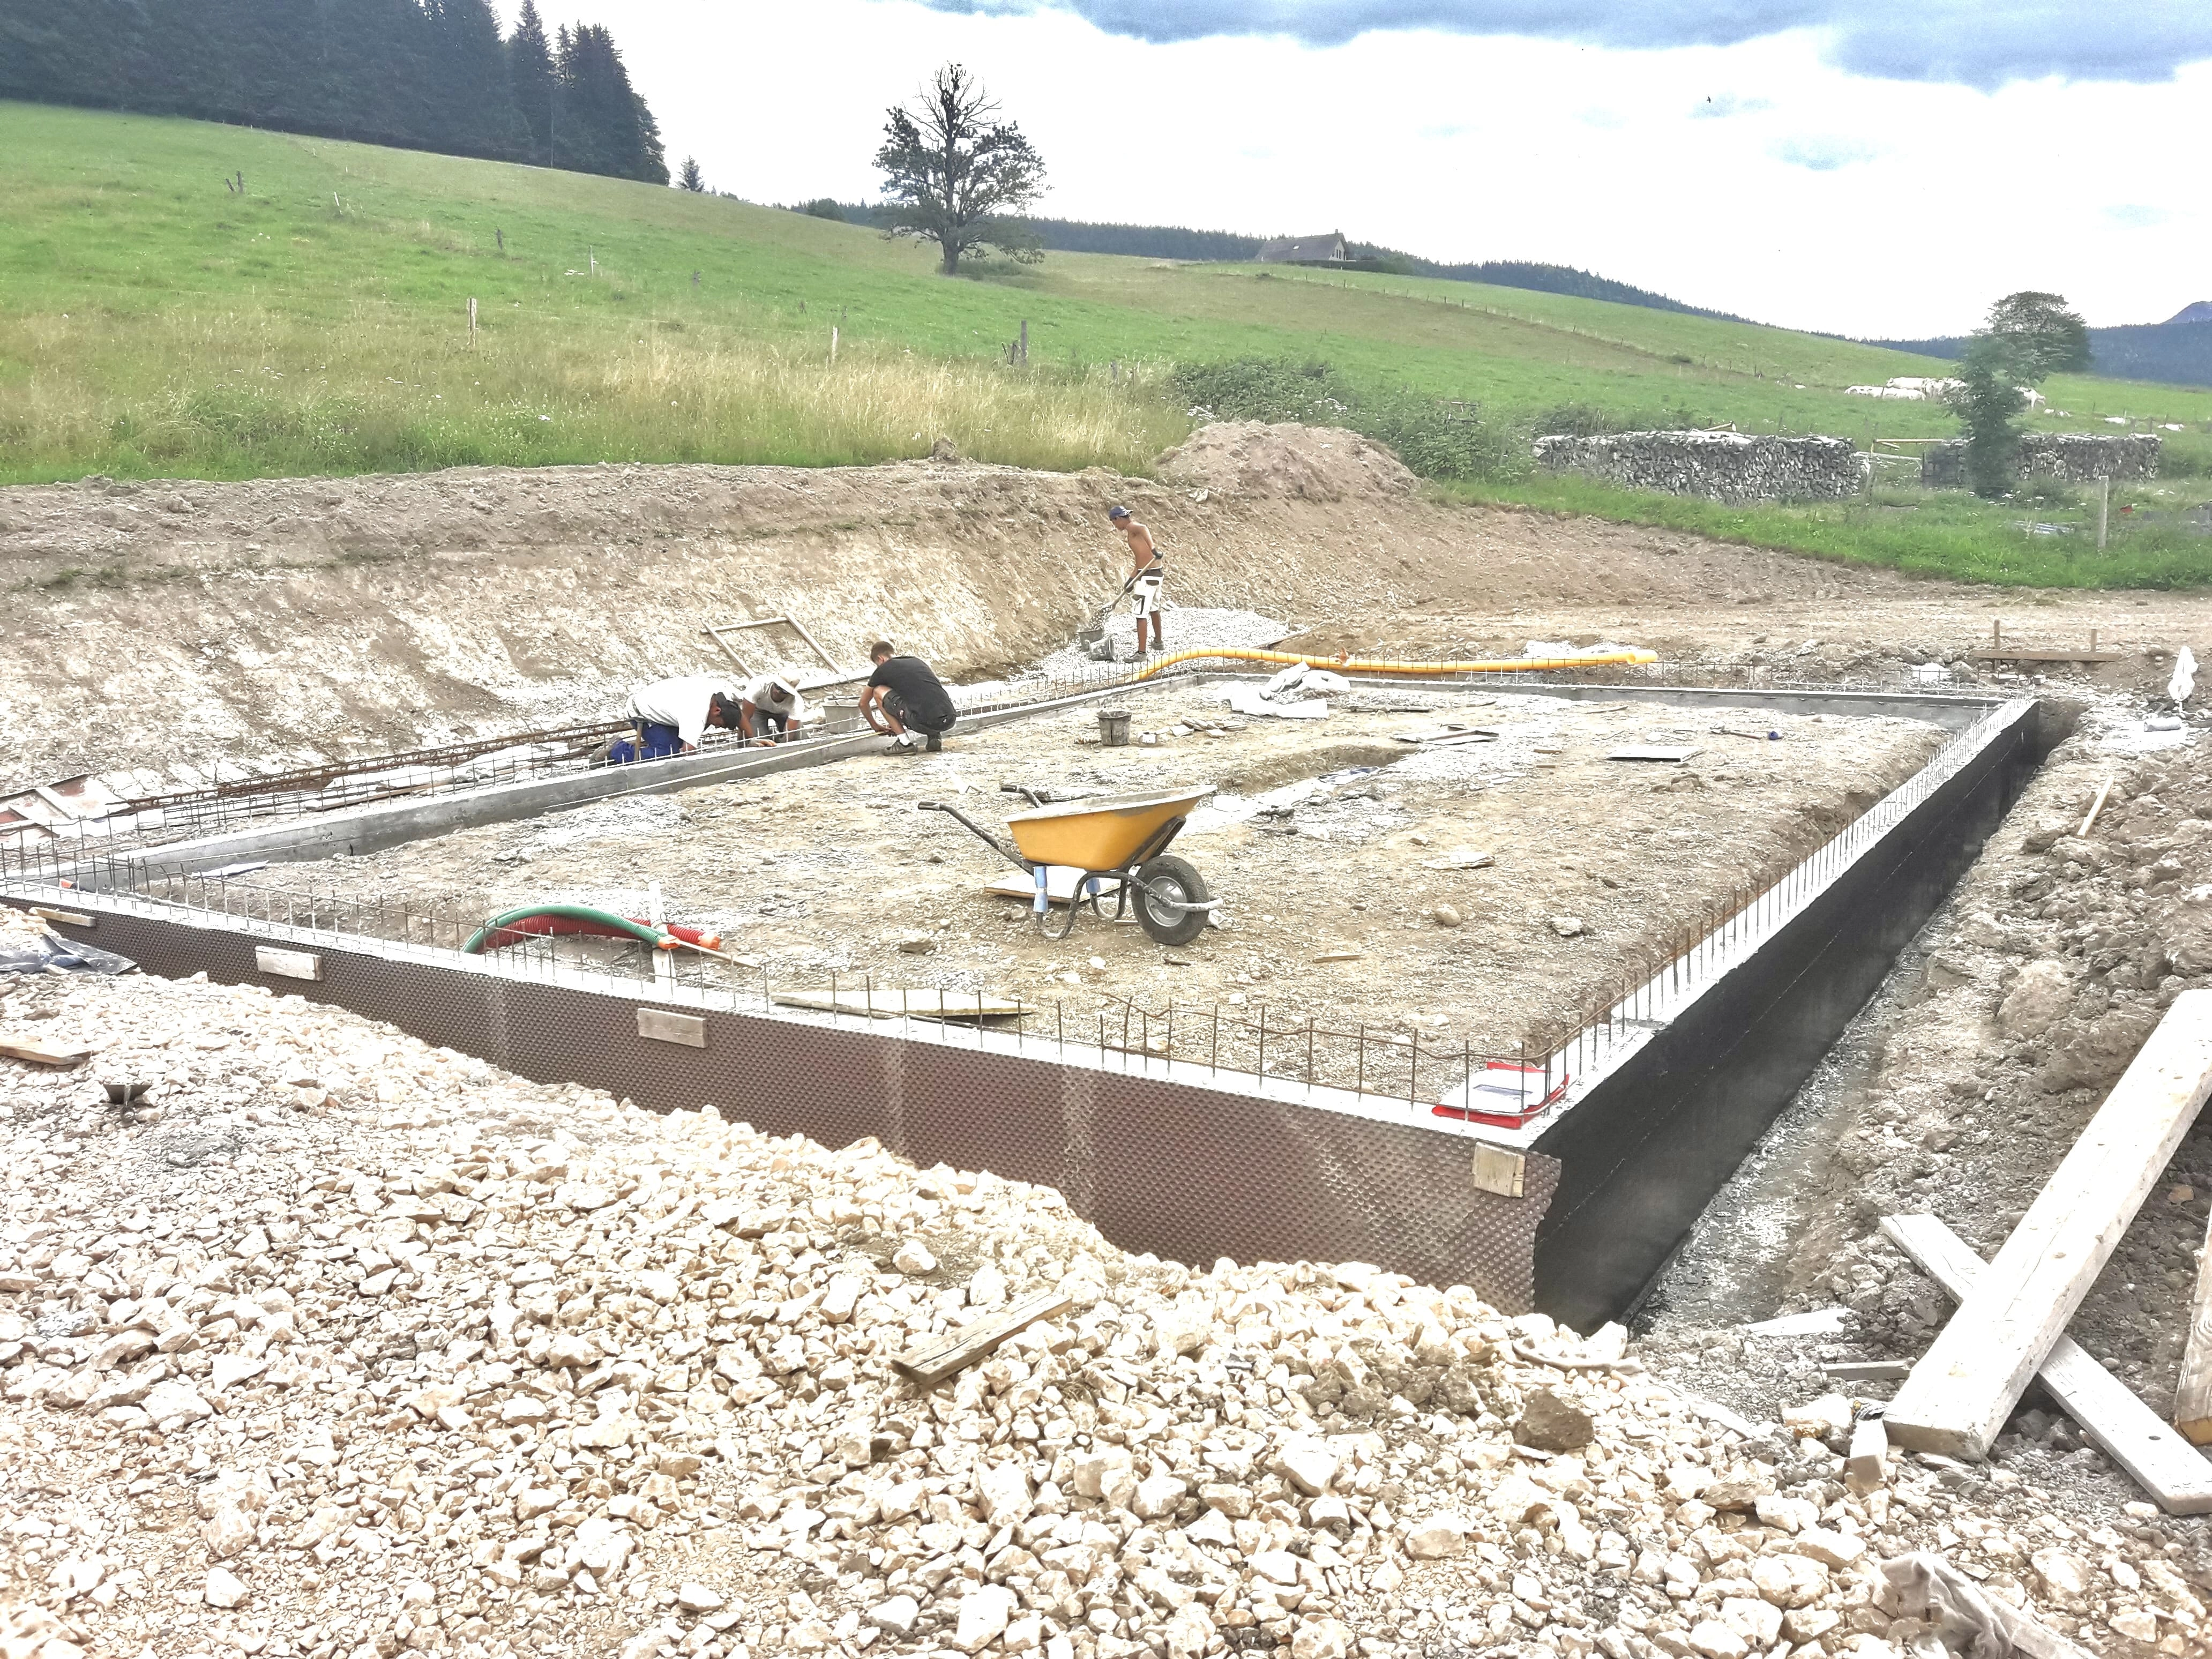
(689, 177)
(1990, 405)
(957, 176)
(2027, 338)
(2043, 336)
(823, 207)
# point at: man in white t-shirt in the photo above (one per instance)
(672, 715)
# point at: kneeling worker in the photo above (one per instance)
(770, 707)
(672, 715)
(905, 698)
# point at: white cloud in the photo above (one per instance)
(1462, 146)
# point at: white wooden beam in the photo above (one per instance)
(1964, 1387)
(2124, 1428)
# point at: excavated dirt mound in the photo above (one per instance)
(1297, 463)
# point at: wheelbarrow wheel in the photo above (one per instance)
(1164, 886)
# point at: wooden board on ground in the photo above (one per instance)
(1060, 884)
(2192, 1395)
(930, 1361)
(905, 1002)
(1965, 1386)
(42, 1054)
(2125, 1430)
(1674, 752)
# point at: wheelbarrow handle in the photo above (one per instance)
(1024, 790)
(980, 833)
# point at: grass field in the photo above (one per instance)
(154, 323)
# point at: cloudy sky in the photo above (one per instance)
(1864, 166)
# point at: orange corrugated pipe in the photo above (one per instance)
(1378, 665)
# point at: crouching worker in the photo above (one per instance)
(905, 699)
(770, 707)
(668, 717)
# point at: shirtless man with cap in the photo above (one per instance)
(1147, 576)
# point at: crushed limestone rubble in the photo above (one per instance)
(331, 1344)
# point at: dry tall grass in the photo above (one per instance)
(250, 392)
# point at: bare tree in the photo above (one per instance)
(956, 175)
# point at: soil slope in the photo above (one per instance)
(285, 619)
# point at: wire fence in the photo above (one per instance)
(1397, 1072)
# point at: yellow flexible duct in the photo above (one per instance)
(1378, 665)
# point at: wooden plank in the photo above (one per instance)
(66, 918)
(1964, 1387)
(288, 964)
(2125, 1430)
(1674, 752)
(42, 1054)
(659, 1025)
(930, 1362)
(2192, 1395)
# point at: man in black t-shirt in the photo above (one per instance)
(905, 699)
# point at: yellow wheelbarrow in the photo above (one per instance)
(1117, 844)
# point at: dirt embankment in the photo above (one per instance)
(290, 619)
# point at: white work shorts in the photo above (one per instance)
(1147, 595)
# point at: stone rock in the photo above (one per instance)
(1567, 926)
(173, 1405)
(1003, 1492)
(1831, 1549)
(2064, 1576)
(1180, 1330)
(1757, 1622)
(896, 1617)
(1786, 1514)
(1716, 1641)
(697, 1598)
(1308, 1465)
(224, 1588)
(1446, 916)
(227, 1531)
(2138, 1623)
(1321, 1638)
(1552, 1425)
(1790, 1580)
(1439, 1536)
(985, 1613)
(2040, 996)
(1157, 1496)
(1235, 1502)
(914, 1258)
(1189, 1633)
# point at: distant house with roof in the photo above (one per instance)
(1330, 249)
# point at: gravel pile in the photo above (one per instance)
(336, 1345)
